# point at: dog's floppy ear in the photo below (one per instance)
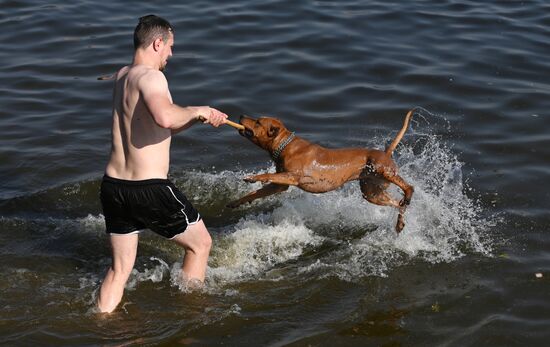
(273, 131)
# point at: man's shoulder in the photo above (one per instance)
(143, 70)
(150, 79)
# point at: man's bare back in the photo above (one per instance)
(140, 147)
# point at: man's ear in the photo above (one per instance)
(156, 44)
(273, 131)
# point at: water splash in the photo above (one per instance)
(443, 223)
(336, 234)
(152, 272)
(259, 243)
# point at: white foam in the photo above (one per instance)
(92, 224)
(152, 272)
(258, 244)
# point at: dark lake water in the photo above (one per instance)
(295, 269)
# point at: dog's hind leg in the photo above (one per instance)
(374, 191)
(408, 190)
(381, 171)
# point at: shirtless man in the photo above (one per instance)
(135, 192)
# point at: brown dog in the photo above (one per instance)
(316, 169)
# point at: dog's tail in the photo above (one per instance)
(395, 142)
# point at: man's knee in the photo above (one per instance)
(121, 272)
(196, 238)
(207, 241)
(207, 244)
(204, 242)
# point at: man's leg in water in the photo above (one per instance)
(197, 243)
(124, 249)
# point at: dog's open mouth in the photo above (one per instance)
(246, 132)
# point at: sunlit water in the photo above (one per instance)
(295, 268)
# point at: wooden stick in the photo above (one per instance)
(234, 125)
(228, 122)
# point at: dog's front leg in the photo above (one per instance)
(266, 190)
(284, 178)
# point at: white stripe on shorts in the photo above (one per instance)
(182, 211)
(131, 233)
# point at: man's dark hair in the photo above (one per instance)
(150, 28)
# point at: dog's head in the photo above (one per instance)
(264, 131)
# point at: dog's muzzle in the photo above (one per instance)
(248, 133)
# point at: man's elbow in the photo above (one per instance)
(164, 121)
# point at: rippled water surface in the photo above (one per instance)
(294, 269)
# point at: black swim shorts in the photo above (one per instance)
(155, 204)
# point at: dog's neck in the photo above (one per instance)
(277, 153)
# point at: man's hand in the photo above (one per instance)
(211, 116)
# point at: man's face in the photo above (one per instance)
(166, 51)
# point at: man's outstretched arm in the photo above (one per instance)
(154, 90)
